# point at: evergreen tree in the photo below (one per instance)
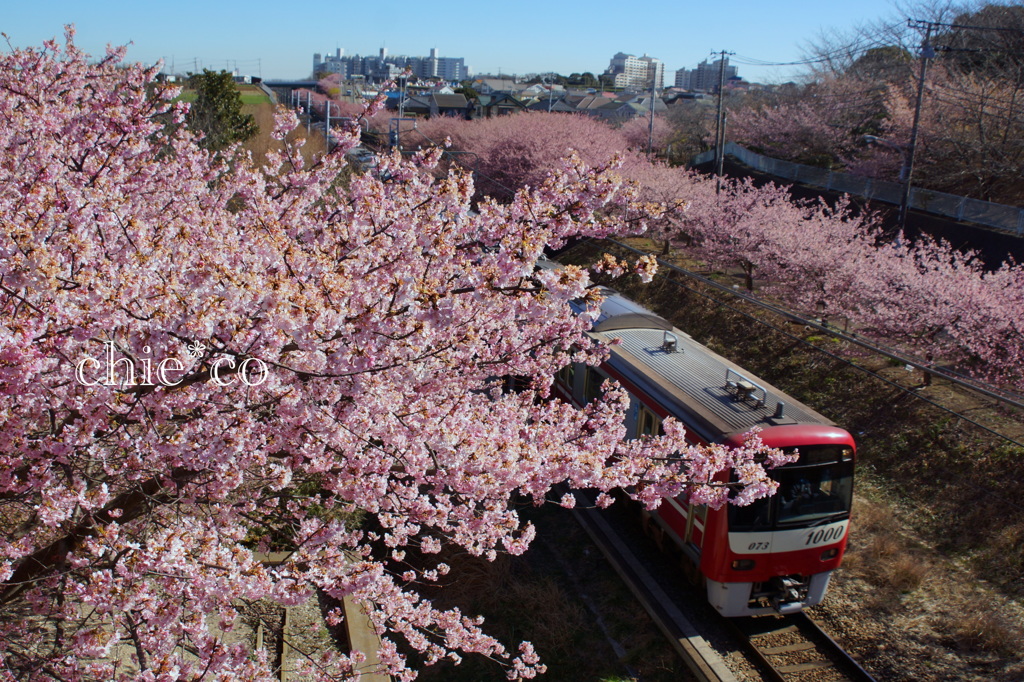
(217, 111)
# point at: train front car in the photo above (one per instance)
(775, 555)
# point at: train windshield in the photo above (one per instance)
(816, 489)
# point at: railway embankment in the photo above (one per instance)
(934, 580)
(931, 585)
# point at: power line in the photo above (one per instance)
(987, 489)
(827, 329)
(850, 50)
(921, 23)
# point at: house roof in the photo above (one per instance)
(499, 84)
(559, 105)
(499, 98)
(456, 101)
(434, 103)
(593, 102)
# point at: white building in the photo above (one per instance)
(705, 77)
(655, 71)
(385, 67)
(683, 79)
(636, 73)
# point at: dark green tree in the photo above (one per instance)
(217, 111)
(888, 64)
(585, 79)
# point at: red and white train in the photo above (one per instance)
(775, 555)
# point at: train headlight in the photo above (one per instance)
(742, 564)
(829, 554)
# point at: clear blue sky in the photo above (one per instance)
(276, 40)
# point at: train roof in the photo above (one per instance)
(714, 396)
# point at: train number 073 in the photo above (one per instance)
(825, 535)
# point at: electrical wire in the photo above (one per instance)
(849, 51)
(888, 353)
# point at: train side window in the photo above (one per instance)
(592, 388)
(648, 423)
(567, 375)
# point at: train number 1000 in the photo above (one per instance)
(825, 535)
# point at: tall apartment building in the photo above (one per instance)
(384, 67)
(655, 71)
(706, 76)
(683, 79)
(636, 72)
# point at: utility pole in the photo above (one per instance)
(327, 123)
(927, 52)
(309, 111)
(650, 127)
(720, 120)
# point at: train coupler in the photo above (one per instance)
(788, 594)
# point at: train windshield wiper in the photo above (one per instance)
(828, 519)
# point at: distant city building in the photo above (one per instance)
(655, 72)
(385, 67)
(683, 79)
(706, 76)
(635, 73)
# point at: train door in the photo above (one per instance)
(685, 522)
(693, 541)
(648, 423)
(592, 385)
(696, 518)
(565, 382)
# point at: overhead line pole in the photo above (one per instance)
(720, 120)
(650, 126)
(927, 52)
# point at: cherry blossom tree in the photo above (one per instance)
(932, 297)
(969, 135)
(510, 152)
(638, 132)
(821, 124)
(925, 297)
(203, 360)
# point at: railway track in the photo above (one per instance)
(703, 661)
(793, 649)
(787, 648)
(280, 633)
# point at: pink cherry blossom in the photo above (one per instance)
(386, 313)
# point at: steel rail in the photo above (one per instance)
(990, 392)
(703, 661)
(807, 648)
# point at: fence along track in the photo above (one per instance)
(1006, 219)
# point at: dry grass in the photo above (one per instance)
(539, 597)
(939, 510)
(558, 618)
(315, 143)
(881, 553)
(984, 628)
(517, 604)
